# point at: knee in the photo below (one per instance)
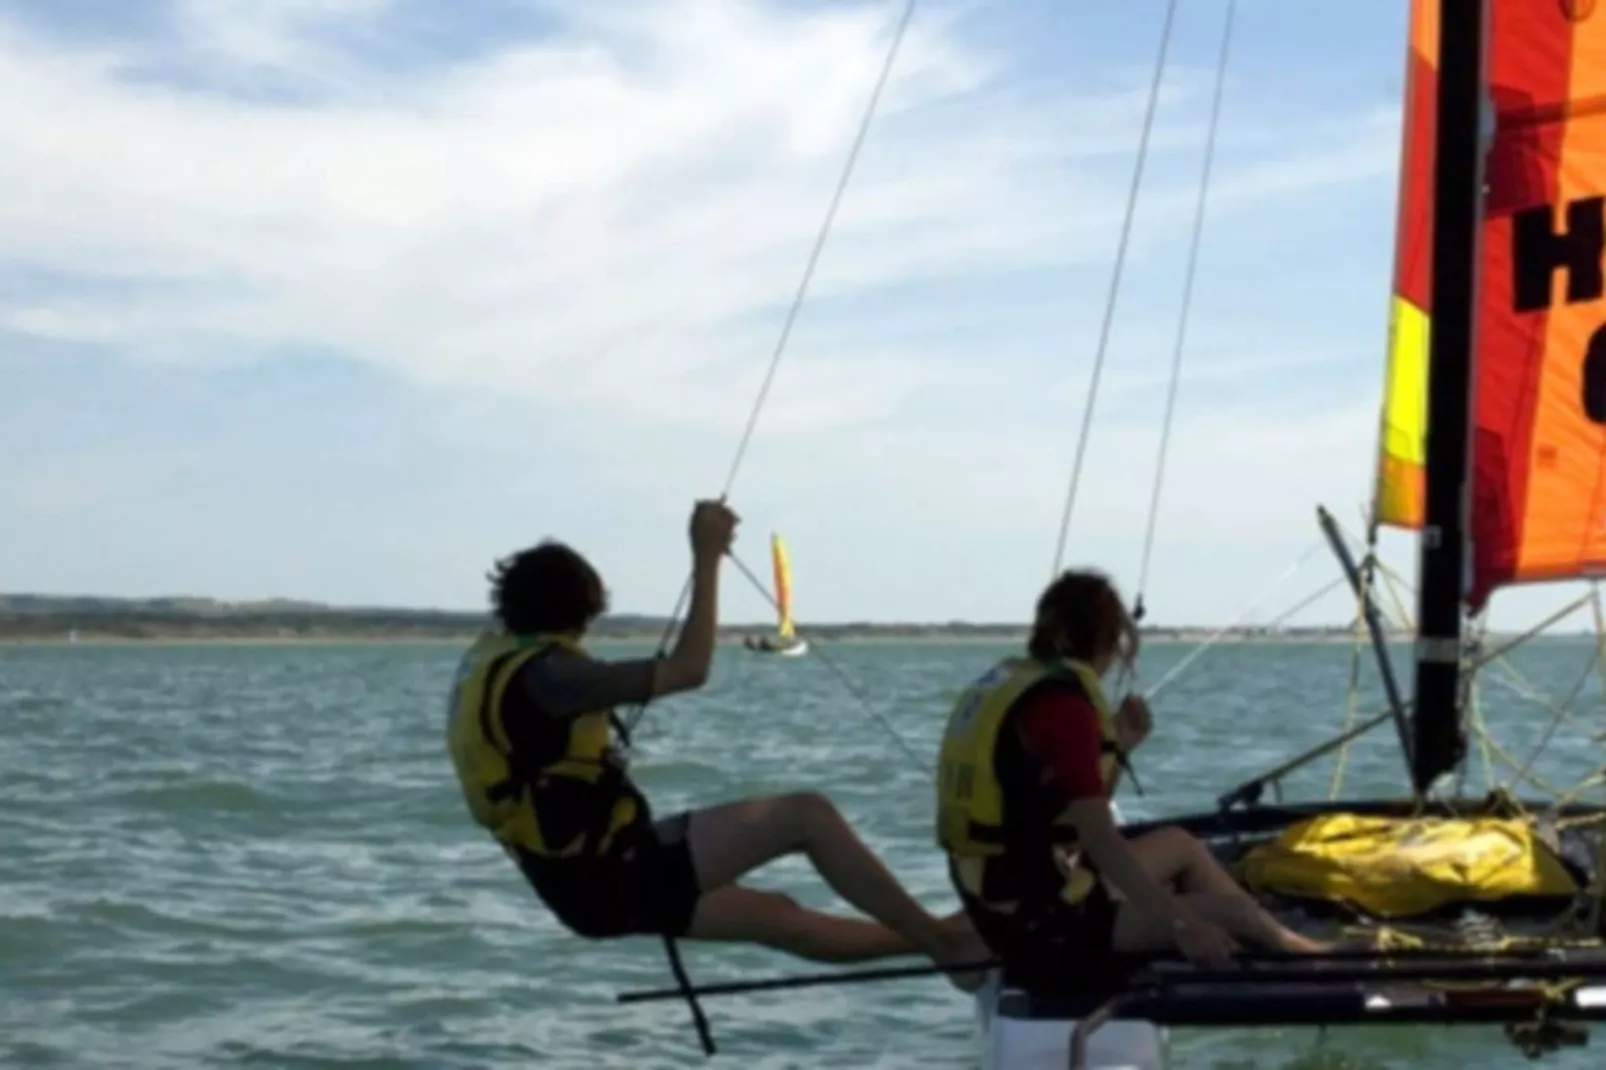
(1202, 854)
(1185, 844)
(1173, 835)
(810, 809)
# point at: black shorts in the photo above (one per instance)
(1060, 945)
(646, 884)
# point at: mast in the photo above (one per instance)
(1439, 740)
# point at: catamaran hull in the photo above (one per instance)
(795, 650)
(1022, 1029)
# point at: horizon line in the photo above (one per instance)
(45, 606)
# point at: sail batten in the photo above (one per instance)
(1538, 451)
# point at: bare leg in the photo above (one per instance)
(1240, 916)
(731, 840)
(744, 915)
(1175, 858)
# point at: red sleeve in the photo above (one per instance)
(1061, 729)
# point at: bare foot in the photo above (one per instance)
(1295, 944)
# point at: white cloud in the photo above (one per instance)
(274, 35)
(561, 219)
(602, 227)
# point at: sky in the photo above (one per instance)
(343, 299)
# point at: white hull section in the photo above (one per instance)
(1009, 1042)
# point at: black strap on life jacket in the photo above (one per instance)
(523, 780)
(510, 787)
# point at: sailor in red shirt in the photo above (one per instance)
(1158, 892)
(1061, 729)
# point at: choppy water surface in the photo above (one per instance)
(249, 855)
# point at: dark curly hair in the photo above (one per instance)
(547, 588)
(1080, 615)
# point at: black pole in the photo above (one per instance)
(1331, 967)
(1249, 792)
(1361, 586)
(1439, 738)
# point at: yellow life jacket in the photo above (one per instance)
(977, 816)
(566, 803)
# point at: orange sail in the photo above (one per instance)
(1398, 491)
(1539, 436)
(1538, 495)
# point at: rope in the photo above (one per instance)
(1561, 715)
(1352, 699)
(1221, 633)
(864, 703)
(626, 726)
(792, 313)
(1518, 683)
(1533, 1037)
(1115, 287)
(819, 241)
(1187, 308)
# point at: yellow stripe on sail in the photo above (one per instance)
(1402, 439)
(783, 586)
(1404, 433)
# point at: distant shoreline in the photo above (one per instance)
(51, 620)
(340, 639)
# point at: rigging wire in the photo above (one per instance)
(1211, 640)
(1221, 633)
(627, 725)
(1187, 307)
(1115, 287)
(798, 298)
(819, 240)
(815, 254)
(1103, 346)
(836, 670)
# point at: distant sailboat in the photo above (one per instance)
(786, 641)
